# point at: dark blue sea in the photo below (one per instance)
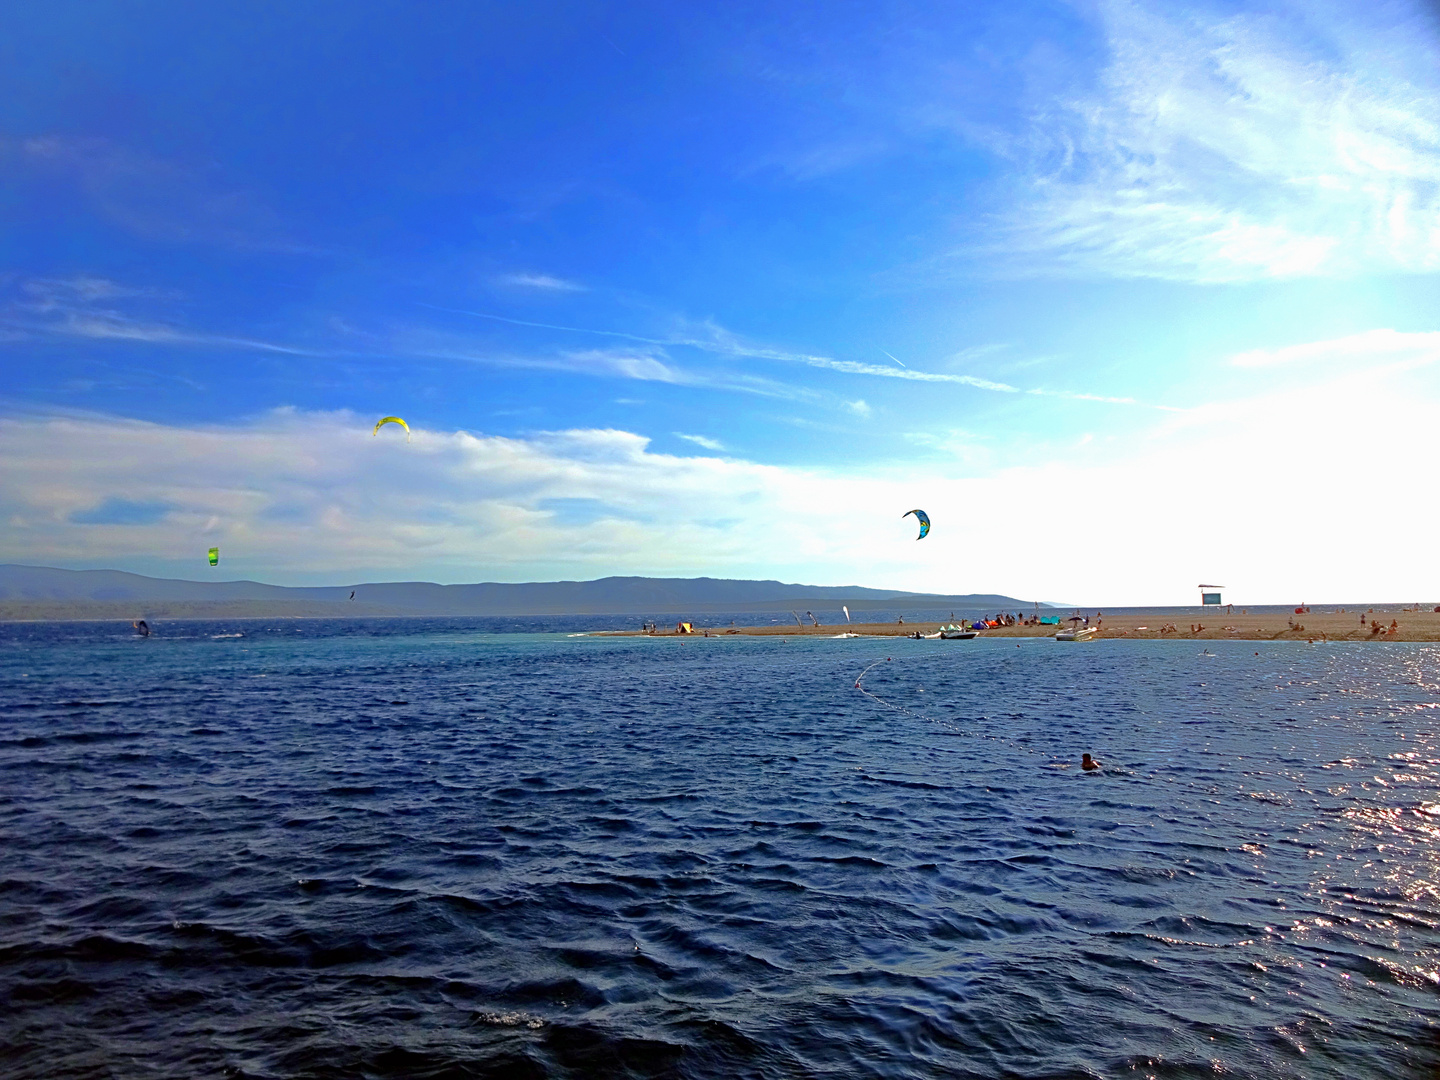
(429, 850)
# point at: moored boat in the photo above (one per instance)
(958, 633)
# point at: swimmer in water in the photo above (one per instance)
(1088, 763)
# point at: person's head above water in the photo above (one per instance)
(1087, 762)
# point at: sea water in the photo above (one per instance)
(390, 848)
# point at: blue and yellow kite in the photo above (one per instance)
(924, 520)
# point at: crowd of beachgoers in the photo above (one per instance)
(1412, 623)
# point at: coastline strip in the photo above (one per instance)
(1318, 626)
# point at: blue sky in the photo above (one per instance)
(1126, 296)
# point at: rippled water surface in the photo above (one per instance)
(415, 849)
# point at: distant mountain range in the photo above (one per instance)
(42, 592)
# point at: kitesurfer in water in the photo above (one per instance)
(1088, 763)
(141, 627)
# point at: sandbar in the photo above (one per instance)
(1330, 624)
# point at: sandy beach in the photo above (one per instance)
(1329, 624)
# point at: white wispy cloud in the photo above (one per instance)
(152, 197)
(541, 281)
(94, 308)
(1373, 347)
(1237, 147)
(85, 307)
(880, 371)
(860, 408)
(731, 343)
(114, 328)
(89, 307)
(644, 363)
(46, 294)
(700, 440)
(710, 337)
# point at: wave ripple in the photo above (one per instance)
(419, 850)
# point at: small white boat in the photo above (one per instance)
(958, 633)
(1079, 633)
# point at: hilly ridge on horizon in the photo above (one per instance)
(28, 592)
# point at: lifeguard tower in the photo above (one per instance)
(1210, 599)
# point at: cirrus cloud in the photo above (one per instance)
(545, 282)
(1373, 347)
(1236, 147)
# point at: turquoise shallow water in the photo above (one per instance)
(418, 849)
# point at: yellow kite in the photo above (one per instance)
(392, 420)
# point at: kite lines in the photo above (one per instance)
(948, 724)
